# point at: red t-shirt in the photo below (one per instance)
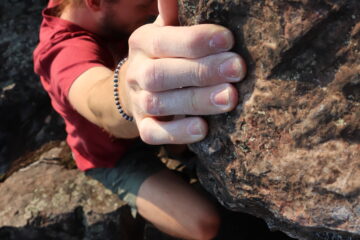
(66, 51)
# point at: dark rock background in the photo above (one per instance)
(290, 152)
(27, 120)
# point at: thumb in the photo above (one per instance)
(168, 12)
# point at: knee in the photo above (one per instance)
(207, 227)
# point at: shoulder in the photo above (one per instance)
(66, 48)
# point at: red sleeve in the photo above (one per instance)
(67, 60)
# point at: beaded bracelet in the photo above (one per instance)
(116, 93)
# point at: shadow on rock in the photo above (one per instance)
(118, 225)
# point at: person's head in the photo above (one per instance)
(116, 18)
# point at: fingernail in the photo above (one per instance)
(232, 69)
(221, 97)
(195, 128)
(221, 40)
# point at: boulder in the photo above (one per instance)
(46, 201)
(290, 152)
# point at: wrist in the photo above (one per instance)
(121, 108)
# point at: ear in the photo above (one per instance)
(168, 12)
(94, 5)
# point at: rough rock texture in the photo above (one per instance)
(46, 201)
(290, 152)
(41, 199)
(27, 119)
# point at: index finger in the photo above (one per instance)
(183, 42)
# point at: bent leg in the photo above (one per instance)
(177, 209)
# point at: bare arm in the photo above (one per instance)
(92, 96)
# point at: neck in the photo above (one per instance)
(81, 16)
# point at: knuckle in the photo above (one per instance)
(150, 103)
(146, 134)
(130, 77)
(152, 76)
(156, 46)
(132, 83)
(193, 106)
(201, 74)
(134, 39)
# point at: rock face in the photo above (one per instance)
(46, 201)
(290, 152)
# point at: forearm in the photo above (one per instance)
(101, 102)
(92, 95)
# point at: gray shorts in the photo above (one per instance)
(130, 172)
